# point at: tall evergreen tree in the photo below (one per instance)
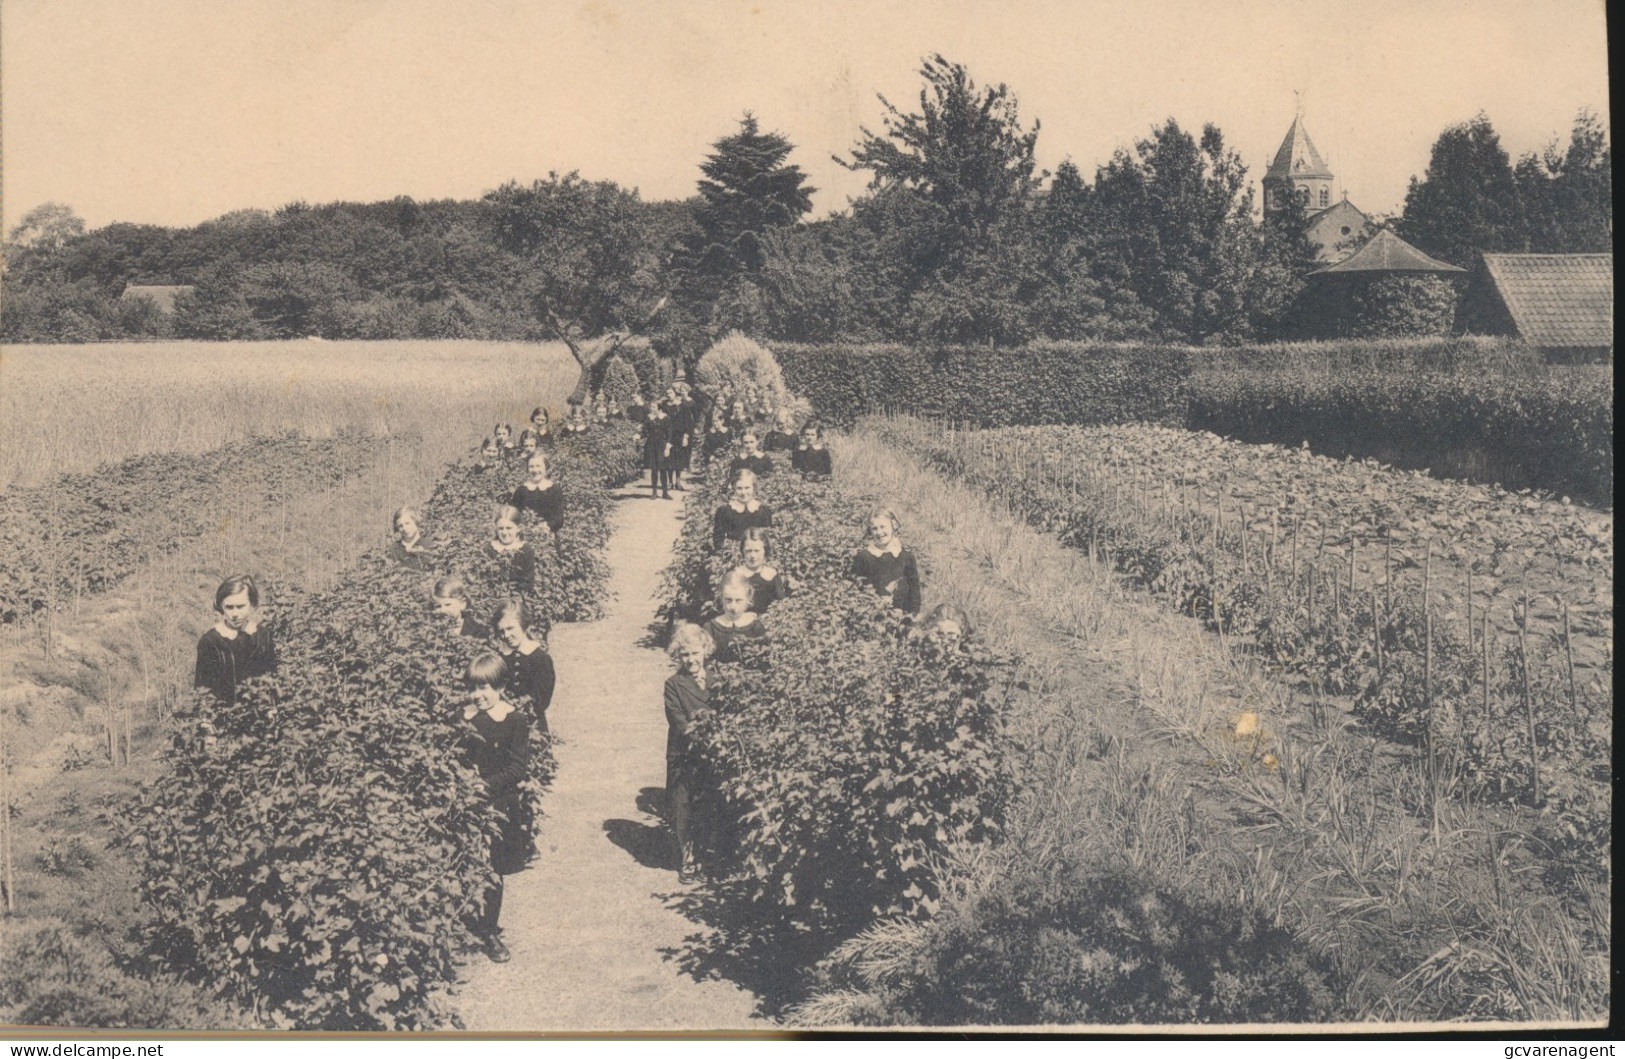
(1467, 202)
(1567, 195)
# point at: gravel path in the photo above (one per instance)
(587, 922)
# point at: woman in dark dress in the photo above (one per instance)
(451, 603)
(531, 676)
(238, 646)
(657, 450)
(407, 548)
(685, 700)
(497, 743)
(742, 512)
(540, 495)
(737, 621)
(782, 438)
(510, 546)
(811, 458)
(767, 585)
(888, 566)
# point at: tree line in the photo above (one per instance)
(959, 237)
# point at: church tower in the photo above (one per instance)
(1297, 170)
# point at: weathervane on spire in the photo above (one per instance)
(1297, 103)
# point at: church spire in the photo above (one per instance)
(1297, 156)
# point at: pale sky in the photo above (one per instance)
(175, 111)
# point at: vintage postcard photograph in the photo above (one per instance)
(738, 516)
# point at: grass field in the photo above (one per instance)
(70, 408)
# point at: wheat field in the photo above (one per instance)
(71, 408)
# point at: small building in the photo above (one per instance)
(1561, 304)
(1299, 172)
(1372, 292)
(161, 296)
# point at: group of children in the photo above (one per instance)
(510, 686)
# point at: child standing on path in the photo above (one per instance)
(497, 742)
(531, 677)
(685, 700)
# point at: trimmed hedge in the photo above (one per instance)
(1043, 383)
(1551, 428)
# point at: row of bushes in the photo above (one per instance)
(315, 849)
(848, 757)
(1478, 408)
(1550, 429)
(84, 533)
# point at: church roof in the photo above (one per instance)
(1559, 300)
(1387, 252)
(1297, 156)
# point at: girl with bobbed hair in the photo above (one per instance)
(947, 627)
(238, 646)
(407, 548)
(886, 565)
(737, 620)
(767, 585)
(451, 603)
(531, 676)
(742, 511)
(540, 494)
(685, 699)
(811, 458)
(508, 543)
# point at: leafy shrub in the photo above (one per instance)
(1047, 382)
(621, 382)
(69, 859)
(1403, 306)
(55, 976)
(736, 361)
(1059, 945)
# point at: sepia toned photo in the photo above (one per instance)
(598, 516)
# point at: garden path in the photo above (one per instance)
(588, 921)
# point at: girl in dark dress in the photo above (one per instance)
(638, 411)
(782, 438)
(888, 566)
(737, 620)
(767, 585)
(490, 455)
(541, 425)
(238, 646)
(451, 603)
(527, 445)
(531, 677)
(497, 742)
(751, 458)
(740, 513)
(407, 547)
(540, 495)
(685, 700)
(657, 450)
(509, 545)
(811, 458)
(502, 434)
(719, 436)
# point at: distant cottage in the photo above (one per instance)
(161, 296)
(1298, 172)
(1561, 304)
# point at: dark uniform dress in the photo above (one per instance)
(684, 701)
(731, 523)
(885, 568)
(657, 434)
(521, 565)
(414, 558)
(812, 463)
(546, 504)
(531, 679)
(778, 441)
(766, 591)
(637, 412)
(222, 663)
(727, 637)
(471, 627)
(757, 465)
(500, 753)
(718, 438)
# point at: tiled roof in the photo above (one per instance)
(1557, 300)
(1387, 252)
(163, 296)
(1297, 156)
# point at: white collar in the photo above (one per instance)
(498, 546)
(753, 505)
(894, 548)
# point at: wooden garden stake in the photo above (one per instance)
(1485, 664)
(1376, 634)
(1469, 606)
(1354, 550)
(1529, 700)
(5, 812)
(1568, 650)
(1388, 570)
(1244, 539)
